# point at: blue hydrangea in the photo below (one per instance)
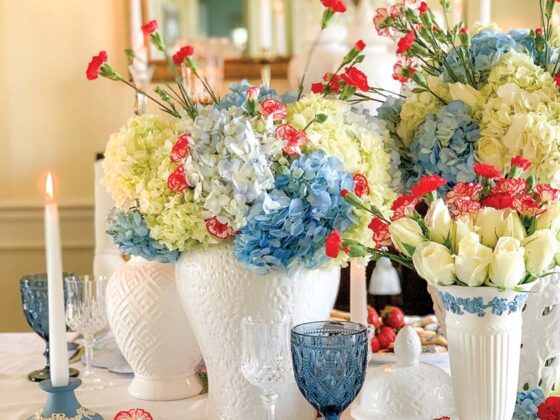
(487, 48)
(444, 145)
(130, 232)
(527, 403)
(288, 226)
(238, 92)
(390, 112)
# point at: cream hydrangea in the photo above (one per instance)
(353, 138)
(137, 163)
(418, 105)
(180, 225)
(521, 116)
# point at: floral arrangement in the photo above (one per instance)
(467, 97)
(533, 405)
(501, 231)
(259, 170)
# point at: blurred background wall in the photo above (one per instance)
(51, 117)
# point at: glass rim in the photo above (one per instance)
(84, 277)
(263, 320)
(362, 328)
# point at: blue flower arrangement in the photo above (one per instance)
(130, 232)
(486, 49)
(288, 226)
(527, 403)
(444, 145)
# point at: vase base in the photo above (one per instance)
(169, 389)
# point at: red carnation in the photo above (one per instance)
(465, 206)
(177, 181)
(557, 80)
(294, 138)
(334, 85)
(134, 414)
(180, 149)
(498, 201)
(274, 108)
(547, 193)
(182, 54)
(527, 206)
(443, 418)
(404, 206)
(95, 64)
(333, 244)
(428, 184)
(406, 42)
(521, 162)
(423, 8)
(356, 78)
(487, 171)
(317, 87)
(550, 409)
(464, 30)
(218, 229)
(359, 45)
(335, 5)
(150, 27)
(512, 186)
(539, 32)
(361, 186)
(381, 235)
(464, 191)
(381, 22)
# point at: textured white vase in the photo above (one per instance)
(540, 352)
(484, 336)
(152, 331)
(217, 292)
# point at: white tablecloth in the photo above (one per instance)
(19, 398)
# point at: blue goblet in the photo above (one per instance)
(35, 301)
(330, 361)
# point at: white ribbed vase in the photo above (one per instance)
(152, 331)
(484, 336)
(217, 292)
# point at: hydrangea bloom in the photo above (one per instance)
(354, 138)
(444, 145)
(137, 162)
(287, 227)
(232, 160)
(526, 405)
(237, 93)
(130, 232)
(487, 48)
(521, 116)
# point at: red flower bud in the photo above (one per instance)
(333, 244)
(182, 54)
(177, 181)
(361, 186)
(428, 184)
(95, 64)
(487, 171)
(521, 162)
(218, 229)
(317, 87)
(150, 27)
(360, 45)
(423, 8)
(539, 32)
(180, 149)
(344, 193)
(335, 5)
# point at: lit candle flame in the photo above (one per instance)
(49, 188)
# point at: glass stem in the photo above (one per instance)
(269, 401)
(47, 354)
(88, 344)
(141, 104)
(331, 416)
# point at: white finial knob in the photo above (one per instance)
(407, 347)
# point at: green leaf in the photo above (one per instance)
(409, 249)
(321, 118)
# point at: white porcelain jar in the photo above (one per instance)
(217, 292)
(152, 331)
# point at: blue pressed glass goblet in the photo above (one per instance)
(35, 301)
(330, 361)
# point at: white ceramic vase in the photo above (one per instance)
(540, 350)
(152, 331)
(217, 292)
(484, 336)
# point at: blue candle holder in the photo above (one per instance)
(63, 404)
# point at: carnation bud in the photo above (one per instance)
(356, 251)
(464, 37)
(531, 182)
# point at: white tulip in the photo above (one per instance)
(513, 227)
(550, 219)
(540, 249)
(439, 223)
(406, 234)
(489, 222)
(472, 261)
(463, 226)
(434, 263)
(507, 268)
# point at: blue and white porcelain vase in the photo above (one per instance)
(484, 335)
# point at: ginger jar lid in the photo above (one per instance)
(407, 389)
